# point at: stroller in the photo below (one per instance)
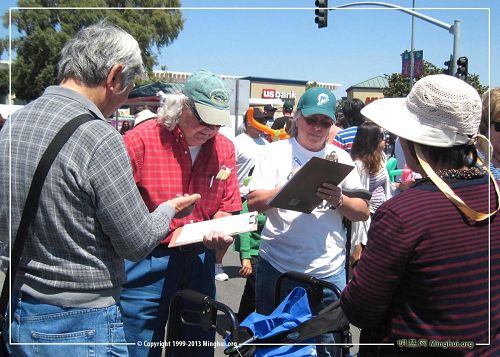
(242, 341)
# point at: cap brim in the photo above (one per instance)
(318, 110)
(213, 116)
(393, 115)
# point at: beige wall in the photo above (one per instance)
(366, 96)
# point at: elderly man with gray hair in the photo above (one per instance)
(181, 151)
(90, 214)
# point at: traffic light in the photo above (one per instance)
(321, 13)
(462, 68)
(447, 70)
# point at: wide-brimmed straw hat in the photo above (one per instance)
(440, 111)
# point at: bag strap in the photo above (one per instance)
(452, 196)
(33, 198)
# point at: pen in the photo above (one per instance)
(211, 181)
(297, 161)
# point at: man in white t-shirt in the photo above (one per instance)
(293, 241)
(249, 145)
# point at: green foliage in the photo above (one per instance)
(473, 80)
(4, 81)
(44, 32)
(399, 86)
(311, 84)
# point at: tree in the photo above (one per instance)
(4, 82)
(311, 84)
(399, 86)
(44, 32)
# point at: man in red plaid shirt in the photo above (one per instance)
(180, 152)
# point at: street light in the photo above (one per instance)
(321, 13)
(463, 68)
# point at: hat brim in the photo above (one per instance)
(145, 115)
(393, 115)
(307, 112)
(213, 116)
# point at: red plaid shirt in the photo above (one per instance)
(162, 167)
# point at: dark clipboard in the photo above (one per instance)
(299, 193)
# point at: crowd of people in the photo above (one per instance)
(97, 274)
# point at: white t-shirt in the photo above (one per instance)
(247, 150)
(293, 241)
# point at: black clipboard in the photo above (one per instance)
(299, 193)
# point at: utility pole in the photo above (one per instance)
(412, 51)
(452, 29)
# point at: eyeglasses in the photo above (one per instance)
(497, 126)
(200, 121)
(325, 123)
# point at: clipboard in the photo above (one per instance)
(299, 193)
(194, 232)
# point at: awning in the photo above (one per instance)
(150, 93)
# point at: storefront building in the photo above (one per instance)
(261, 90)
(276, 91)
(369, 90)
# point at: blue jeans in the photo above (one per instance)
(145, 299)
(267, 277)
(49, 330)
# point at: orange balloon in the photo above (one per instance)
(281, 134)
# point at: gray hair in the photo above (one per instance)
(169, 114)
(90, 55)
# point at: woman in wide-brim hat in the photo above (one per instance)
(421, 285)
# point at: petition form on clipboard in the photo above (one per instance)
(194, 232)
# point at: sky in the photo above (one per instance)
(279, 39)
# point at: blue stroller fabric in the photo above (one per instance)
(293, 311)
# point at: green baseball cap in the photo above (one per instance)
(317, 100)
(288, 105)
(210, 97)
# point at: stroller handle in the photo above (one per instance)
(314, 285)
(191, 302)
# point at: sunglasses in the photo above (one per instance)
(325, 123)
(497, 126)
(200, 121)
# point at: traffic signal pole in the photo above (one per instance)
(452, 29)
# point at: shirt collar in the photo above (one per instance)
(70, 93)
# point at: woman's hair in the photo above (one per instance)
(491, 109)
(340, 121)
(455, 157)
(90, 55)
(364, 146)
(352, 112)
(169, 113)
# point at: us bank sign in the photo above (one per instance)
(276, 94)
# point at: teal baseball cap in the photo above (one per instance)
(210, 97)
(317, 100)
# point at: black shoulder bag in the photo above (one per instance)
(30, 208)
